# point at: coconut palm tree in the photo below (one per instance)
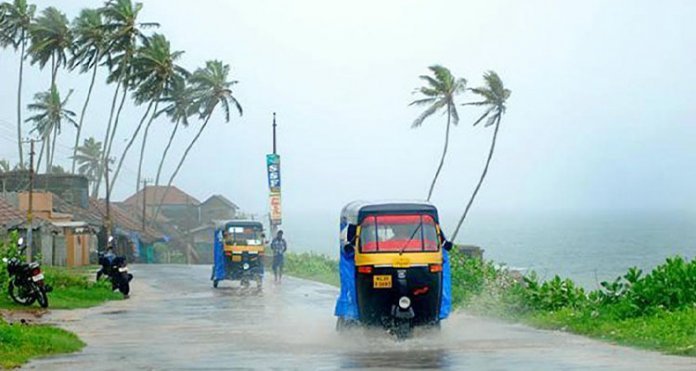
(4, 166)
(14, 27)
(212, 89)
(51, 39)
(439, 93)
(50, 115)
(88, 158)
(89, 50)
(495, 96)
(125, 32)
(154, 70)
(178, 100)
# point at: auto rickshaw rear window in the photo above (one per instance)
(395, 233)
(244, 235)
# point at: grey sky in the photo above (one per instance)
(601, 116)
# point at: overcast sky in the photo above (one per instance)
(602, 114)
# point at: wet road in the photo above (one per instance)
(175, 320)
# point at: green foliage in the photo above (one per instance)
(19, 343)
(312, 266)
(554, 294)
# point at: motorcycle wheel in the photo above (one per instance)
(99, 274)
(124, 287)
(19, 294)
(41, 296)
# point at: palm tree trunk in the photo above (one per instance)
(483, 176)
(166, 150)
(106, 136)
(130, 143)
(53, 149)
(142, 146)
(82, 114)
(444, 152)
(19, 103)
(48, 153)
(116, 118)
(181, 162)
(41, 152)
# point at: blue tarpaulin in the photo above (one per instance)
(446, 299)
(218, 256)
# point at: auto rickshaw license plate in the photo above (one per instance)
(382, 281)
(236, 258)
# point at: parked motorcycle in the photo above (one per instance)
(116, 269)
(26, 281)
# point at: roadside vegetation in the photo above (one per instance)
(19, 342)
(654, 310)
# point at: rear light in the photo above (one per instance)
(35, 272)
(228, 253)
(434, 268)
(366, 269)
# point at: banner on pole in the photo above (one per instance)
(273, 167)
(275, 207)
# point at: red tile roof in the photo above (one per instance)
(10, 216)
(153, 194)
(122, 219)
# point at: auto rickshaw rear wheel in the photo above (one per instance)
(215, 283)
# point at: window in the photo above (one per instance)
(249, 235)
(395, 233)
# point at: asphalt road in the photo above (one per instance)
(176, 320)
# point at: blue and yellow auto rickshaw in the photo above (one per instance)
(238, 251)
(394, 267)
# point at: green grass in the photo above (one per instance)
(669, 332)
(71, 290)
(19, 343)
(313, 267)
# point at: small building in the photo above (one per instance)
(217, 207)
(180, 208)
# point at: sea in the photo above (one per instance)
(588, 247)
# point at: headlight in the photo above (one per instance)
(245, 266)
(404, 302)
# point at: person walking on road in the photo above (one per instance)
(279, 246)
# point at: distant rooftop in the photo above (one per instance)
(153, 195)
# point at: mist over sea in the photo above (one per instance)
(588, 248)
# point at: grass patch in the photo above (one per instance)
(19, 343)
(71, 290)
(313, 267)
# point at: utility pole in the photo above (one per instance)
(108, 204)
(274, 133)
(144, 181)
(30, 228)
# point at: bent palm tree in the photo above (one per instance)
(154, 70)
(88, 158)
(51, 38)
(90, 47)
(212, 88)
(179, 107)
(14, 27)
(51, 113)
(439, 93)
(494, 97)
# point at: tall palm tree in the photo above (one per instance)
(88, 158)
(50, 115)
(439, 93)
(212, 89)
(90, 47)
(179, 107)
(51, 39)
(495, 96)
(14, 27)
(4, 166)
(125, 32)
(154, 70)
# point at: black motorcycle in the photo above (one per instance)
(26, 281)
(116, 269)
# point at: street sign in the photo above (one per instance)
(275, 207)
(273, 167)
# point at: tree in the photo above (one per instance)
(51, 39)
(121, 23)
(14, 28)
(212, 88)
(179, 106)
(154, 71)
(495, 96)
(4, 166)
(50, 115)
(88, 158)
(90, 46)
(439, 93)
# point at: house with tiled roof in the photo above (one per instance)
(180, 208)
